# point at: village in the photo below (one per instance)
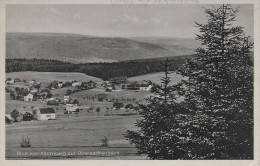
(33, 100)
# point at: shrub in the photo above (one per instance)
(15, 114)
(105, 141)
(25, 142)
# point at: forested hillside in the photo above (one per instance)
(100, 70)
(85, 49)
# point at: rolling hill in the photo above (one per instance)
(190, 43)
(82, 49)
(47, 77)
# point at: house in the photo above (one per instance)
(31, 82)
(61, 84)
(17, 80)
(66, 98)
(9, 81)
(71, 101)
(28, 97)
(76, 84)
(46, 114)
(52, 102)
(27, 116)
(33, 91)
(72, 108)
(130, 86)
(145, 87)
(38, 83)
(8, 119)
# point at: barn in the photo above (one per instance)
(46, 114)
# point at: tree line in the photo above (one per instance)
(104, 71)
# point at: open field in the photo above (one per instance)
(156, 77)
(47, 77)
(76, 137)
(72, 135)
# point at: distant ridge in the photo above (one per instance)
(77, 48)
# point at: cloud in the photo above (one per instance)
(52, 10)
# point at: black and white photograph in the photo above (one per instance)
(122, 81)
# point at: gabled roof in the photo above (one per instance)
(8, 116)
(144, 85)
(47, 111)
(27, 114)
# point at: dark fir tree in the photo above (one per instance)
(156, 136)
(221, 89)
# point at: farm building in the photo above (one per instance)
(28, 97)
(72, 108)
(145, 87)
(17, 80)
(46, 114)
(130, 86)
(27, 116)
(52, 102)
(33, 90)
(31, 82)
(61, 84)
(9, 81)
(66, 98)
(8, 119)
(76, 84)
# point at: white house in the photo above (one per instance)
(9, 81)
(76, 84)
(46, 114)
(34, 90)
(66, 98)
(72, 107)
(28, 97)
(31, 82)
(145, 87)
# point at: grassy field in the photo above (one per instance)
(156, 77)
(47, 77)
(75, 135)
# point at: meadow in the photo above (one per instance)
(76, 136)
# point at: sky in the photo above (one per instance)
(116, 20)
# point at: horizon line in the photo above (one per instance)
(101, 36)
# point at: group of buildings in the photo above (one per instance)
(40, 114)
(141, 86)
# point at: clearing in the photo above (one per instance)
(47, 77)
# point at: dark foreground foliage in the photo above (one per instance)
(214, 120)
